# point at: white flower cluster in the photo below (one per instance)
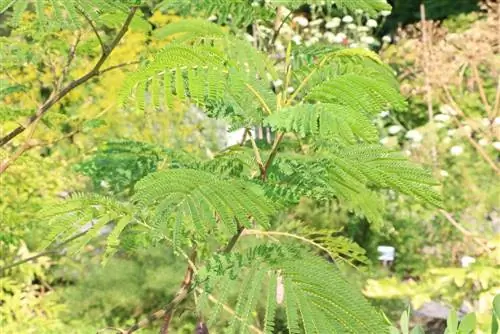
(354, 30)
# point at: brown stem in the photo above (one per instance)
(272, 155)
(256, 152)
(168, 310)
(55, 250)
(94, 29)
(480, 87)
(428, 86)
(182, 293)
(481, 242)
(73, 84)
(71, 57)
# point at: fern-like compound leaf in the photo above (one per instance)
(194, 202)
(88, 214)
(62, 13)
(313, 292)
(335, 121)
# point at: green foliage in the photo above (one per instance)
(298, 281)
(190, 203)
(118, 165)
(88, 214)
(155, 195)
(63, 13)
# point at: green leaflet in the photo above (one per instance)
(332, 121)
(316, 296)
(63, 13)
(201, 201)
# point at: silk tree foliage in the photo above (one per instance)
(213, 206)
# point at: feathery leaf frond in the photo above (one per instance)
(62, 13)
(315, 295)
(335, 121)
(87, 213)
(194, 201)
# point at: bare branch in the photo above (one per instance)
(256, 151)
(73, 84)
(56, 249)
(71, 56)
(167, 311)
(94, 28)
(118, 66)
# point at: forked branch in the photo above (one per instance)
(57, 96)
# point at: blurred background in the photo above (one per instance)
(446, 55)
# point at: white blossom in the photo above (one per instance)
(368, 40)
(347, 19)
(249, 38)
(297, 39)
(339, 38)
(443, 173)
(330, 36)
(497, 121)
(354, 45)
(414, 135)
(278, 83)
(290, 89)
(279, 46)
(441, 118)
(467, 261)
(483, 142)
(334, 23)
(447, 110)
(315, 22)
(363, 29)
(385, 13)
(351, 26)
(386, 39)
(301, 21)
(496, 145)
(358, 11)
(456, 150)
(393, 129)
(371, 23)
(212, 18)
(384, 114)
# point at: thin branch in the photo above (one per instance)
(229, 310)
(118, 66)
(428, 86)
(480, 241)
(24, 147)
(73, 84)
(471, 140)
(496, 108)
(256, 152)
(234, 239)
(274, 151)
(71, 57)
(306, 80)
(94, 28)
(289, 235)
(29, 144)
(277, 31)
(166, 312)
(482, 94)
(56, 249)
(261, 100)
(183, 291)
